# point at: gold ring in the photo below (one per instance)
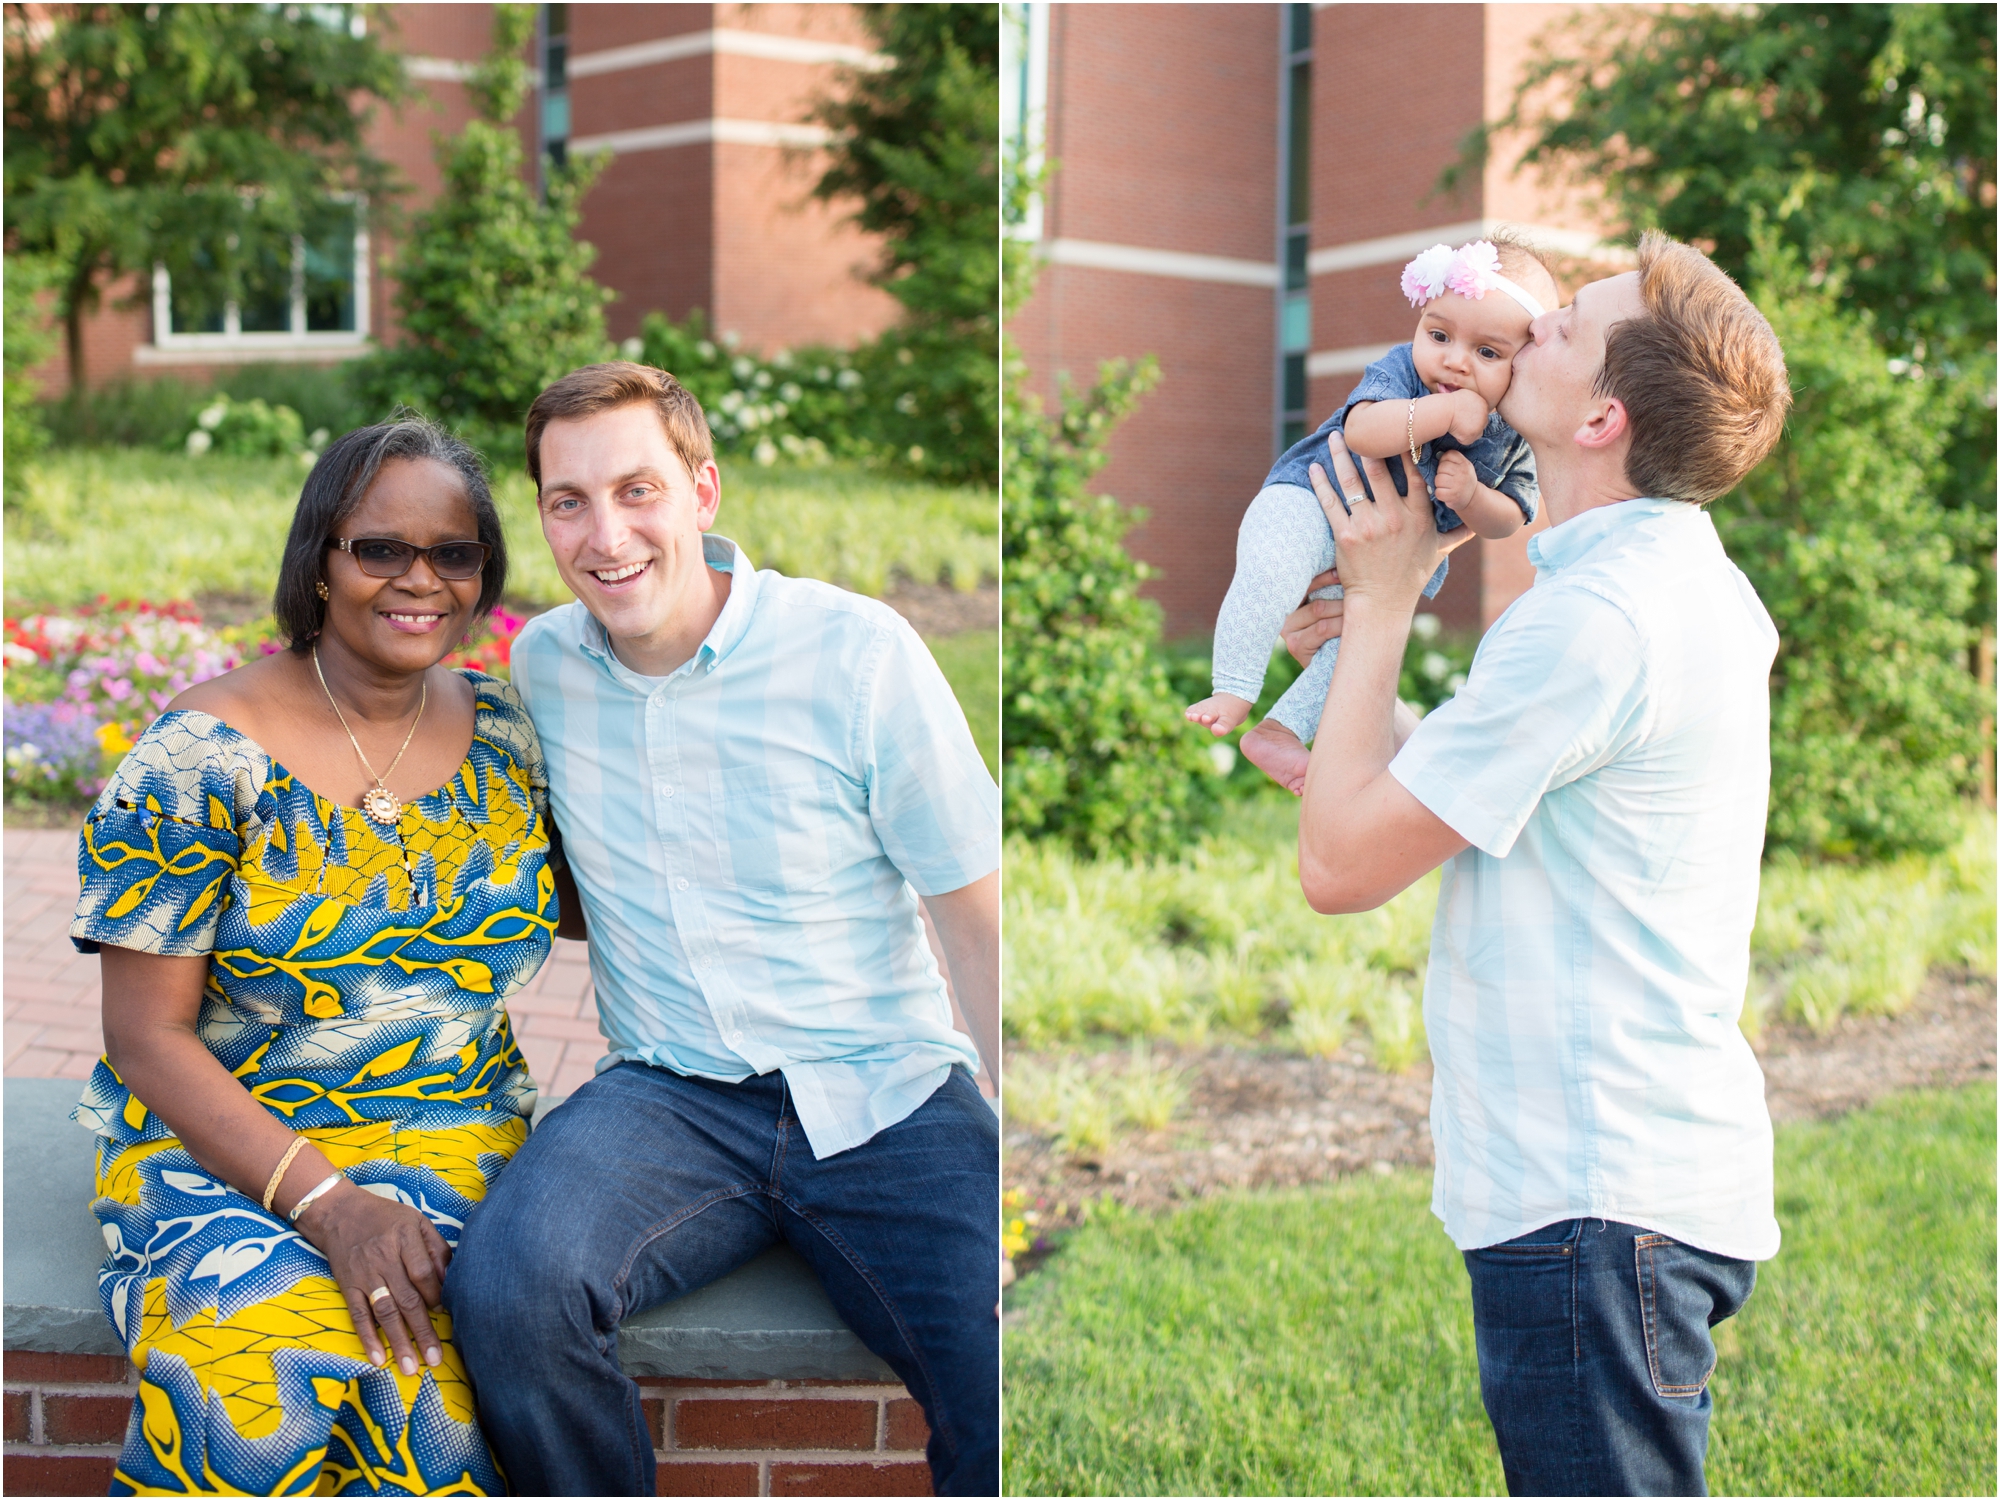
(378, 1294)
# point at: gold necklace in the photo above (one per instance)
(380, 803)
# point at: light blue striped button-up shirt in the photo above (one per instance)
(1608, 760)
(750, 836)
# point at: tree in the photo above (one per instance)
(917, 143)
(493, 288)
(201, 137)
(1862, 136)
(1874, 722)
(1094, 749)
(27, 343)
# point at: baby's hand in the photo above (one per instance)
(1457, 481)
(1468, 416)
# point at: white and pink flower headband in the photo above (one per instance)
(1471, 270)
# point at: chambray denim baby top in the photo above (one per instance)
(1501, 456)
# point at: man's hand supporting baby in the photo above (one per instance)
(1384, 429)
(1362, 836)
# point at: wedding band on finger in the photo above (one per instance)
(379, 1293)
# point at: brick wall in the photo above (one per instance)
(1163, 128)
(66, 1416)
(67, 1413)
(746, 1437)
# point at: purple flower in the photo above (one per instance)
(50, 744)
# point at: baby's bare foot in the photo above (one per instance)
(1222, 713)
(1279, 754)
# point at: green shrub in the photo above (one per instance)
(322, 395)
(801, 405)
(29, 339)
(1874, 714)
(127, 412)
(1096, 751)
(914, 143)
(492, 286)
(246, 429)
(1835, 939)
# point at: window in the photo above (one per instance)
(315, 297)
(555, 83)
(1294, 223)
(1024, 87)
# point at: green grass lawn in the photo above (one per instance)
(971, 664)
(137, 524)
(1320, 1342)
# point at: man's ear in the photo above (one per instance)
(1604, 422)
(707, 495)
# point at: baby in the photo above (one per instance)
(1433, 400)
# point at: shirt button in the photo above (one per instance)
(735, 1037)
(681, 884)
(666, 791)
(708, 960)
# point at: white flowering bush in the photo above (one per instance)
(805, 406)
(219, 423)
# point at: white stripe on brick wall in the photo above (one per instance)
(700, 132)
(439, 69)
(1349, 361)
(1102, 257)
(795, 49)
(1391, 248)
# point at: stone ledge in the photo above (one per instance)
(768, 1320)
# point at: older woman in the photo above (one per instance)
(314, 882)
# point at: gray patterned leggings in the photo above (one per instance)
(1283, 543)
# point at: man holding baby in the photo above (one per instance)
(1596, 795)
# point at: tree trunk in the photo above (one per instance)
(76, 301)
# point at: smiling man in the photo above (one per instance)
(1596, 795)
(756, 779)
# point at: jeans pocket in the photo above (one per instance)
(1557, 1239)
(1676, 1307)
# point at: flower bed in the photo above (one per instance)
(82, 686)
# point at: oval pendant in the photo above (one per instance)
(381, 805)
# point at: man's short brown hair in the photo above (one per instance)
(1700, 375)
(620, 382)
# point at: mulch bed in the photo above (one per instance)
(1258, 1118)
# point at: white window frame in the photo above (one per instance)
(234, 346)
(1024, 99)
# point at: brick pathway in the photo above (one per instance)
(51, 994)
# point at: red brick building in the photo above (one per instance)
(707, 202)
(1235, 190)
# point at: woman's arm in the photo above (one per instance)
(570, 923)
(151, 1004)
(1381, 429)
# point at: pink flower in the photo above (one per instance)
(1475, 270)
(1424, 277)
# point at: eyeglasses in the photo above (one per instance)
(385, 557)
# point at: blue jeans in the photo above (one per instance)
(1594, 1356)
(646, 1185)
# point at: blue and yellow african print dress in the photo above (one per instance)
(356, 987)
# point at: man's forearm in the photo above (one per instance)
(1359, 733)
(968, 928)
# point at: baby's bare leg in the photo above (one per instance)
(1279, 754)
(1221, 713)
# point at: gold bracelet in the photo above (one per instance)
(1411, 432)
(278, 1175)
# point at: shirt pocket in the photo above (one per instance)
(777, 828)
